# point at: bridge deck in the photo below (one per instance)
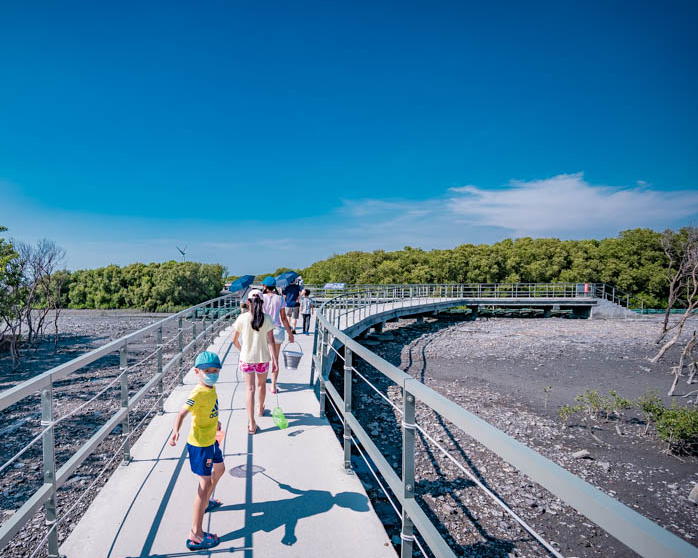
(288, 508)
(281, 500)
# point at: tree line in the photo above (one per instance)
(634, 261)
(155, 287)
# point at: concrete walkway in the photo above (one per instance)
(285, 493)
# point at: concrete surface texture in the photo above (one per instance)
(284, 493)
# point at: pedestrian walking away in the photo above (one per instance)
(274, 304)
(205, 456)
(255, 330)
(307, 308)
(292, 294)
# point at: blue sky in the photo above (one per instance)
(267, 134)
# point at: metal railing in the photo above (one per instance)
(486, 290)
(365, 308)
(206, 320)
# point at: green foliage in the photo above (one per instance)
(651, 406)
(593, 404)
(618, 404)
(634, 262)
(678, 427)
(566, 411)
(10, 279)
(601, 406)
(156, 287)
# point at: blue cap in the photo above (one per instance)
(269, 281)
(207, 359)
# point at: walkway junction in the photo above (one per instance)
(288, 492)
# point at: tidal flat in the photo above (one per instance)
(500, 369)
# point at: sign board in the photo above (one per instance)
(335, 286)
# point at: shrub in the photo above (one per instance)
(566, 411)
(651, 406)
(678, 426)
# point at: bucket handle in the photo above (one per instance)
(294, 343)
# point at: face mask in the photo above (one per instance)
(210, 379)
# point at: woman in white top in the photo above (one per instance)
(256, 331)
(273, 306)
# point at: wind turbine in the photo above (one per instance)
(183, 251)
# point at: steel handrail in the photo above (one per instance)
(495, 290)
(634, 530)
(224, 308)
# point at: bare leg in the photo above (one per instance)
(200, 502)
(261, 392)
(249, 398)
(275, 375)
(218, 470)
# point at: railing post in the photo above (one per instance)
(314, 353)
(161, 399)
(408, 432)
(125, 428)
(49, 454)
(203, 329)
(347, 409)
(180, 347)
(193, 331)
(321, 375)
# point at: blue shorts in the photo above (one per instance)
(201, 460)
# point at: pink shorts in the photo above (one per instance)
(254, 367)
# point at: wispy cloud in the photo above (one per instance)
(564, 206)
(568, 205)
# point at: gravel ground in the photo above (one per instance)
(80, 332)
(497, 369)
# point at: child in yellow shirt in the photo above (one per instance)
(205, 456)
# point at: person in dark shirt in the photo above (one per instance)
(292, 293)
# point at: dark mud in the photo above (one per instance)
(80, 332)
(498, 369)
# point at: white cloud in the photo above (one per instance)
(566, 205)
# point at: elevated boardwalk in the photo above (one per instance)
(289, 495)
(286, 492)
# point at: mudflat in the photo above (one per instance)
(498, 368)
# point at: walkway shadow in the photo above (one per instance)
(268, 516)
(289, 387)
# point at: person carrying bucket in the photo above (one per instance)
(256, 331)
(273, 306)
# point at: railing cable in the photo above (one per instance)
(493, 496)
(375, 475)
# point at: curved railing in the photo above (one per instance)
(486, 290)
(205, 321)
(359, 310)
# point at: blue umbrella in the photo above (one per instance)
(286, 278)
(241, 283)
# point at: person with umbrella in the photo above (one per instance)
(273, 306)
(240, 287)
(288, 282)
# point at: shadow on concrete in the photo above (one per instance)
(268, 516)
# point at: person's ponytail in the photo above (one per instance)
(257, 311)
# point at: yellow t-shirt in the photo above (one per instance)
(203, 406)
(254, 343)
